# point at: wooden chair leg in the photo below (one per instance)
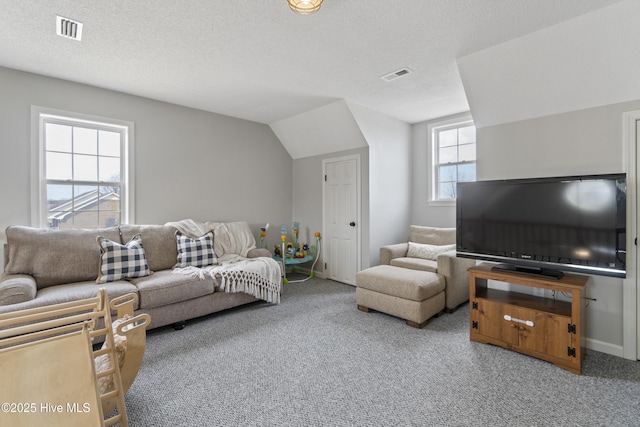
(363, 308)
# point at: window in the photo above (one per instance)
(83, 178)
(454, 157)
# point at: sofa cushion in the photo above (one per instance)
(415, 264)
(54, 257)
(196, 252)
(164, 287)
(16, 288)
(159, 243)
(400, 282)
(426, 251)
(121, 261)
(72, 292)
(259, 252)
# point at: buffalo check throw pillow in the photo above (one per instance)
(195, 252)
(121, 261)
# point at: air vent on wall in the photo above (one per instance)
(68, 28)
(398, 73)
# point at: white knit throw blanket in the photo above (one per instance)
(260, 277)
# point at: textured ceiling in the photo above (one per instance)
(259, 61)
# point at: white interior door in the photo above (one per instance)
(341, 216)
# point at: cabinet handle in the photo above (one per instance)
(513, 319)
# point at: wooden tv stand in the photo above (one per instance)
(549, 329)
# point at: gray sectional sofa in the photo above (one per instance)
(44, 267)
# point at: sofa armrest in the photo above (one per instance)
(454, 270)
(16, 288)
(389, 252)
(259, 252)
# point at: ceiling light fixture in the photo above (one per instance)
(305, 7)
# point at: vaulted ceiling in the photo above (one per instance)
(259, 61)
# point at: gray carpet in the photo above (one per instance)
(315, 360)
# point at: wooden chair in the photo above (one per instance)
(48, 369)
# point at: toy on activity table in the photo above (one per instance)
(263, 234)
(290, 250)
(301, 251)
(296, 230)
(293, 253)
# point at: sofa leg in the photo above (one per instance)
(363, 308)
(415, 324)
(179, 325)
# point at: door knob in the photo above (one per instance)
(353, 224)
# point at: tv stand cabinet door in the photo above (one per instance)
(491, 324)
(549, 335)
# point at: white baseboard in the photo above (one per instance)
(319, 274)
(603, 347)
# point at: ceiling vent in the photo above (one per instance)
(398, 73)
(68, 28)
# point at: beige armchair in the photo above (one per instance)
(433, 249)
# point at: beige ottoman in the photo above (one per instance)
(413, 295)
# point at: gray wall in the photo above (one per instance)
(390, 180)
(580, 142)
(188, 163)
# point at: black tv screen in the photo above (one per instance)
(545, 225)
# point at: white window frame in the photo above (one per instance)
(38, 178)
(458, 121)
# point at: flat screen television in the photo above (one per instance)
(544, 226)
